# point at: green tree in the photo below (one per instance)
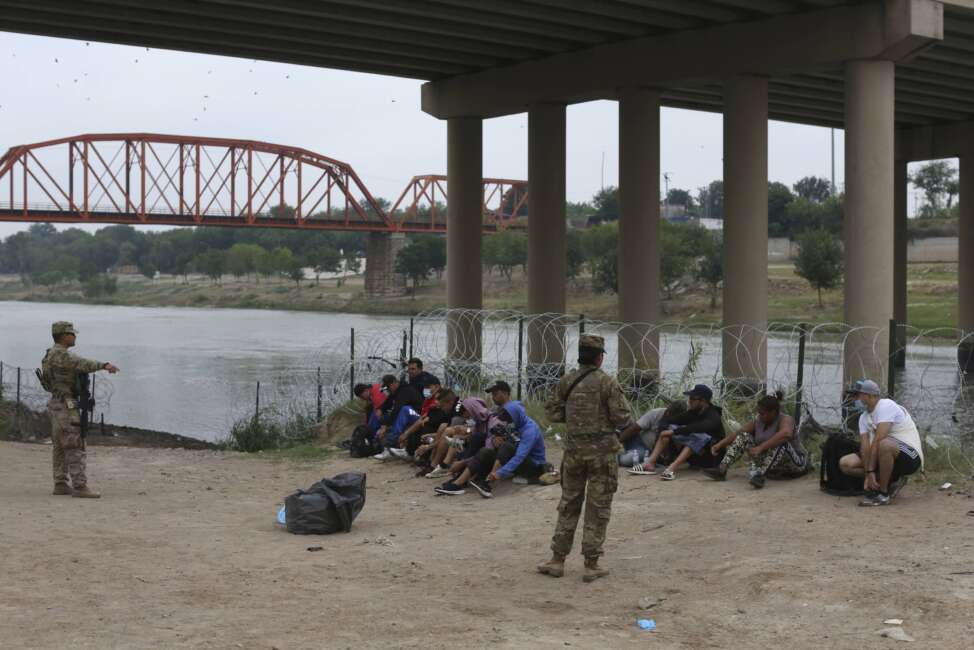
(711, 200)
(605, 272)
(413, 262)
(212, 264)
(325, 259)
(242, 259)
(677, 196)
(148, 269)
(505, 251)
(936, 179)
(606, 203)
(819, 260)
(710, 266)
(574, 253)
(813, 188)
(779, 198)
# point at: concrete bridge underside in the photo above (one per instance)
(897, 75)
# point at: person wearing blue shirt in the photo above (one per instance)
(518, 449)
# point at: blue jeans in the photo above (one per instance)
(635, 452)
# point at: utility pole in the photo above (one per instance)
(666, 194)
(603, 171)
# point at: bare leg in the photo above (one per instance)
(888, 450)
(851, 465)
(661, 444)
(681, 458)
(463, 478)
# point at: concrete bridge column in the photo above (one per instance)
(869, 221)
(745, 233)
(381, 278)
(464, 285)
(965, 265)
(546, 242)
(900, 241)
(639, 235)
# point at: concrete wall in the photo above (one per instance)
(381, 278)
(931, 249)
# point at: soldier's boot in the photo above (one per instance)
(555, 567)
(593, 571)
(61, 489)
(85, 493)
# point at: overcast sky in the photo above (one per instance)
(55, 88)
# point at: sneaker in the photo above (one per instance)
(715, 473)
(484, 487)
(385, 455)
(423, 471)
(757, 480)
(450, 488)
(399, 452)
(520, 480)
(439, 472)
(897, 485)
(878, 500)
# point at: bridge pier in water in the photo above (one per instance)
(381, 278)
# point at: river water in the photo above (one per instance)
(194, 371)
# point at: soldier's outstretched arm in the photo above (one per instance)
(87, 366)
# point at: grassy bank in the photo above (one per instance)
(932, 291)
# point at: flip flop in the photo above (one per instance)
(640, 470)
(667, 475)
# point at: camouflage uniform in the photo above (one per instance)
(592, 413)
(60, 369)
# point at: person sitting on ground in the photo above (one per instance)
(460, 442)
(399, 395)
(515, 447)
(341, 422)
(639, 438)
(692, 432)
(768, 440)
(890, 448)
(431, 395)
(417, 377)
(419, 438)
(406, 404)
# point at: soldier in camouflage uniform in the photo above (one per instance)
(593, 407)
(60, 369)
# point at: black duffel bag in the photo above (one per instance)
(328, 506)
(831, 479)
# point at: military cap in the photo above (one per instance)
(63, 327)
(591, 342)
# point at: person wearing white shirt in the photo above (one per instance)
(889, 448)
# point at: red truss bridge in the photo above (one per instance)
(151, 179)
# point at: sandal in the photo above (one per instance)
(667, 475)
(642, 470)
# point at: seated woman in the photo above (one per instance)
(460, 439)
(769, 441)
(692, 433)
(518, 450)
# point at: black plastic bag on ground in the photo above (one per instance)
(328, 506)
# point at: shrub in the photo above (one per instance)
(255, 434)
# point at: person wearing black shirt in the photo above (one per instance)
(694, 432)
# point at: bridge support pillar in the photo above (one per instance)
(869, 222)
(900, 241)
(546, 243)
(639, 237)
(381, 278)
(745, 343)
(464, 281)
(965, 266)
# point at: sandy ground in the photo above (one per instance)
(183, 551)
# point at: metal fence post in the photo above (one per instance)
(412, 325)
(17, 407)
(402, 350)
(800, 379)
(891, 360)
(319, 392)
(257, 403)
(1, 380)
(520, 353)
(351, 372)
(581, 324)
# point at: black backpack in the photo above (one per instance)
(831, 479)
(362, 444)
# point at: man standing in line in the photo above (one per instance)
(593, 408)
(61, 370)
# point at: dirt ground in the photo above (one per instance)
(183, 552)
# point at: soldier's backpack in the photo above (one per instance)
(362, 443)
(831, 479)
